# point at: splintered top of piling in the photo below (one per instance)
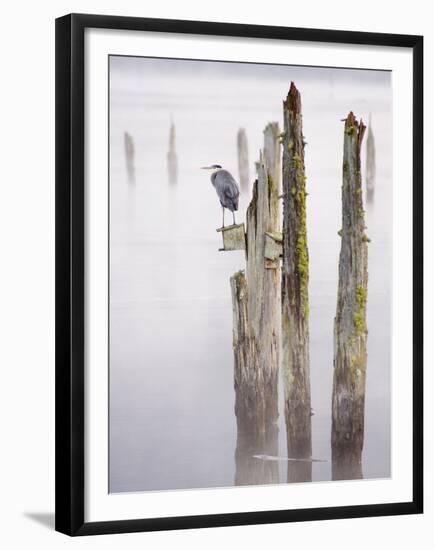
(352, 127)
(293, 100)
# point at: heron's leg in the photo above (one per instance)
(223, 208)
(233, 215)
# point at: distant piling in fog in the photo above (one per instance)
(370, 163)
(350, 331)
(273, 151)
(256, 302)
(129, 157)
(172, 159)
(243, 160)
(295, 294)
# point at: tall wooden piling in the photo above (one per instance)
(256, 328)
(243, 160)
(370, 163)
(256, 305)
(350, 332)
(129, 156)
(295, 280)
(172, 159)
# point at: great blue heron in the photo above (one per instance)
(226, 188)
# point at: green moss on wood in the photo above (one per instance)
(298, 193)
(298, 162)
(302, 253)
(360, 314)
(303, 270)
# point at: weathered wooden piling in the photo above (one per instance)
(295, 281)
(172, 159)
(256, 308)
(129, 156)
(243, 160)
(350, 332)
(370, 163)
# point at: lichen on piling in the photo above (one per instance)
(360, 314)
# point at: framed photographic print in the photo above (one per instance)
(238, 274)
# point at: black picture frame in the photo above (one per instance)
(70, 268)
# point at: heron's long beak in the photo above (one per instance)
(206, 167)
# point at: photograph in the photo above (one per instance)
(213, 275)
(250, 232)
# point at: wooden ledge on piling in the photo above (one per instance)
(234, 237)
(273, 249)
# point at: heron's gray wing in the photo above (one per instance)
(229, 184)
(227, 189)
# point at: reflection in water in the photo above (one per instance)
(250, 467)
(348, 428)
(347, 465)
(172, 159)
(299, 471)
(129, 156)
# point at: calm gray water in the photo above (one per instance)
(172, 423)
